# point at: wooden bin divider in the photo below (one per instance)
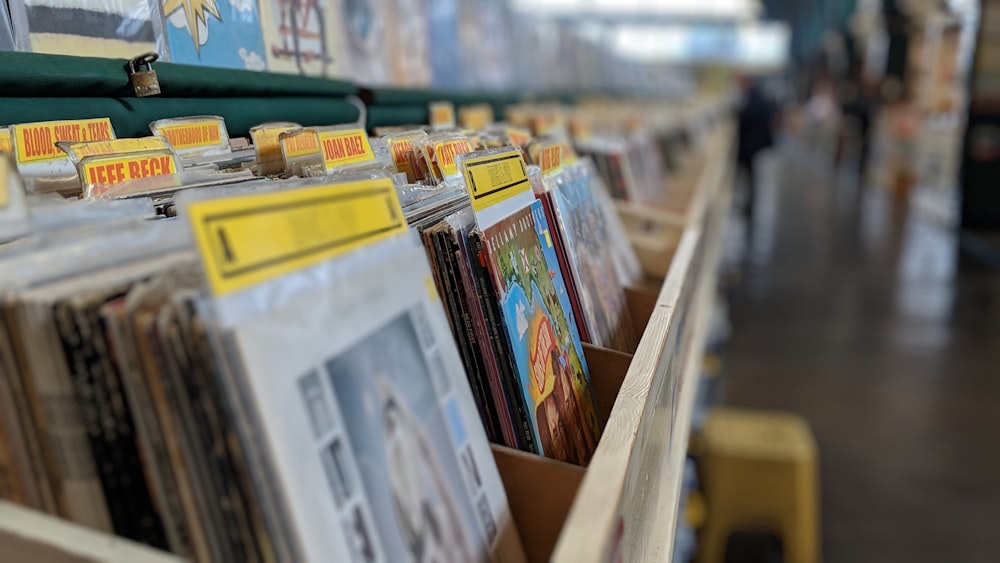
(640, 301)
(540, 491)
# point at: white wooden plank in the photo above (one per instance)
(627, 503)
(29, 535)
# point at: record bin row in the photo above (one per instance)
(624, 505)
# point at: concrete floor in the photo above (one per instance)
(856, 314)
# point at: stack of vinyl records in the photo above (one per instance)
(305, 413)
(309, 361)
(521, 287)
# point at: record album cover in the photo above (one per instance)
(543, 334)
(216, 33)
(401, 436)
(584, 232)
(105, 28)
(304, 37)
(368, 421)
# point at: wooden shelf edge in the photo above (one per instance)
(627, 503)
(29, 535)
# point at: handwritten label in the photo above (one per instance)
(299, 143)
(194, 134)
(445, 153)
(36, 142)
(111, 170)
(249, 239)
(345, 147)
(442, 115)
(493, 178)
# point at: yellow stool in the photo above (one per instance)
(759, 472)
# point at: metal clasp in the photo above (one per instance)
(144, 82)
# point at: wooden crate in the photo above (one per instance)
(623, 506)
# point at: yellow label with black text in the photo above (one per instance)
(442, 115)
(493, 178)
(110, 170)
(114, 146)
(445, 153)
(193, 134)
(249, 239)
(295, 144)
(36, 142)
(344, 147)
(5, 144)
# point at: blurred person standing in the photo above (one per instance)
(858, 108)
(756, 123)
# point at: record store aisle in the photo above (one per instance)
(854, 314)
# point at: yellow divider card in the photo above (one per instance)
(346, 146)
(265, 138)
(404, 155)
(194, 134)
(115, 169)
(5, 174)
(518, 136)
(445, 153)
(441, 115)
(249, 239)
(36, 142)
(268, 148)
(549, 158)
(5, 145)
(83, 149)
(493, 178)
(568, 153)
(476, 117)
(303, 142)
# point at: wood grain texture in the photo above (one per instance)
(607, 372)
(627, 504)
(641, 302)
(540, 492)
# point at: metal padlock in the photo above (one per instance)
(144, 82)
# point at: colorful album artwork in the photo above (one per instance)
(538, 317)
(304, 37)
(93, 29)
(584, 231)
(215, 33)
